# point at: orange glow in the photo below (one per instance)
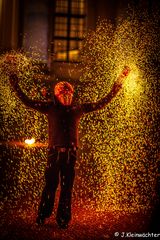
(64, 92)
(63, 87)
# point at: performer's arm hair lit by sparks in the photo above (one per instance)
(37, 105)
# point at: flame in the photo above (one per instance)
(30, 141)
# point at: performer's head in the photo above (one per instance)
(64, 93)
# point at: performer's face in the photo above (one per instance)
(64, 93)
(65, 97)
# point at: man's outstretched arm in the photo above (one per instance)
(90, 107)
(37, 105)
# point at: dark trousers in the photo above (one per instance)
(60, 166)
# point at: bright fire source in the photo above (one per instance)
(30, 141)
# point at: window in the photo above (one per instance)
(68, 29)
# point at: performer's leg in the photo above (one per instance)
(67, 173)
(51, 183)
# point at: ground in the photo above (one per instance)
(86, 224)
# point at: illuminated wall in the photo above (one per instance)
(35, 29)
(9, 17)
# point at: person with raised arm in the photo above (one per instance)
(63, 118)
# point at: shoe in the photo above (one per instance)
(40, 221)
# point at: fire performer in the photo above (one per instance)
(63, 118)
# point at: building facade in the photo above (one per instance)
(53, 30)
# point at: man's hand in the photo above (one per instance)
(10, 59)
(9, 65)
(125, 72)
(120, 80)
